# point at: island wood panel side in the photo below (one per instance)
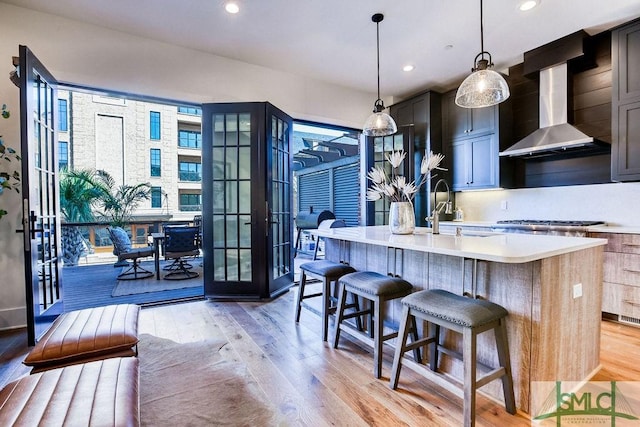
(509, 285)
(566, 330)
(415, 269)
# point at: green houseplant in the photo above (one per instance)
(88, 195)
(78, 193)
(9, 175)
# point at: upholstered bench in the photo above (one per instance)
(86, 335)
(100, 393)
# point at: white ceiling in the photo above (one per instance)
(335, 40)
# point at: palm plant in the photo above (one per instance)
(87, 195)
(78, 193)
(117, 202)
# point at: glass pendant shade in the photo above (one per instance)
(380, 124)
(482, 88)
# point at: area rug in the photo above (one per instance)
(191, 384)
(151, 284)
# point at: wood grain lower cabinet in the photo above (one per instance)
(621, 275)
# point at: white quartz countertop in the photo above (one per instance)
(605, 228)
(487, 246)
(614, 229)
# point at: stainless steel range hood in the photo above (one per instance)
(555, 135)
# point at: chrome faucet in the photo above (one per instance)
(434, 219)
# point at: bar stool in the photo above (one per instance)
(377, 289)
(327, 272)
(470, 317)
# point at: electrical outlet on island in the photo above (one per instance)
(577, 290)
(503, 205)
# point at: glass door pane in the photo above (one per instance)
(247, 229)
(231, 175)
(39, 189)
(280, 200)
(382, 146)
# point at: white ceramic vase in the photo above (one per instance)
(402, 219)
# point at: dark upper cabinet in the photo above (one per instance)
(625, 120)
(475, 163)
(421, 113)
(466, 122)
(473, 138)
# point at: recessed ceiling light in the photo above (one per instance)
(528, 5)
(408, 67)
(232, 7)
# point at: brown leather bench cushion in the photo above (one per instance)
(86, 335)
(101, 393)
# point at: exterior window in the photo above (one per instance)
(155, 162)
(190, 202)
(156, 197)
(63, 155)
(154, 125)
(189, 171)
(189, 139)
(63, 116)
(189, 110)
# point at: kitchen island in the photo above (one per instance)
(551, 286)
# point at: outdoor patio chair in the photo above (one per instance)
(125, 252)
(180, 244)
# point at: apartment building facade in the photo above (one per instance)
(136, 142)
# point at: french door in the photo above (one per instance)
(378, 148)
(40, 208)
(247, 200)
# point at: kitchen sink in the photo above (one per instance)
(465, 233)
(471, 233)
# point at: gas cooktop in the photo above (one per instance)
(553, 222)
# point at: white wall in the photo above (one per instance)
(97, 57)
(101, 58)
(617, 204)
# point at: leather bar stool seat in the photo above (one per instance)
(377, 289)
(328, 272)
(467, 316)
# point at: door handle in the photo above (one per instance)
(25, 225)
(32, 225)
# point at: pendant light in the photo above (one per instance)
(379, 123)
(484, 87)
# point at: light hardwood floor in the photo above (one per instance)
(314, 385)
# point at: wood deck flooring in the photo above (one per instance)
(313, 384)
(91, 286)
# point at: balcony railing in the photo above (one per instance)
(94, 243)
(190, 208)
(190, 176)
